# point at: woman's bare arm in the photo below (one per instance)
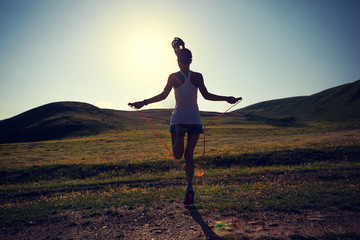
(212, 97)
(156, 98)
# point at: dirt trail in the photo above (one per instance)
(174, 221)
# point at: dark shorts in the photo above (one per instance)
(181, 129)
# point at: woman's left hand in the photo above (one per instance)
(233, 100)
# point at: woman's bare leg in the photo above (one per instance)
(188, 152)
(192, 140)
(177, 145)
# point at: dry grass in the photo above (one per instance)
(96, 172)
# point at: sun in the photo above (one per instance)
(148, 54)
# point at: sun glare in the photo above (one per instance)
(148, 55)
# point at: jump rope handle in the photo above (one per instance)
(132, 106)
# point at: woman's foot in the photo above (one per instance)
(189, 196)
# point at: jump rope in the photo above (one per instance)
(177, 45)
(200, 172)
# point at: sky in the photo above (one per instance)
(111, 52)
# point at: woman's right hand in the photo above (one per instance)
(137, 105)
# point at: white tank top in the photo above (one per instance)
(186, 109)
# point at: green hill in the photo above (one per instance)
(340, 103)
(58, 120)
(75, 119)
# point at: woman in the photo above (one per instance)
(186, 115)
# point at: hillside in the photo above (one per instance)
(74, 119)
(58, 120)
(335, 104)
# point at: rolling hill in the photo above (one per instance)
(59, 120)
(340, 103)
(73, 119)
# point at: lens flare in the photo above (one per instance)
(199, 172)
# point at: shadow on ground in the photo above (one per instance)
(209, 233)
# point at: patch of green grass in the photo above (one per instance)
(248, 167)
(86, 174)
(36, 208)
(229, 191)
(280, 196)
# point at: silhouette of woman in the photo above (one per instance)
(186, 115)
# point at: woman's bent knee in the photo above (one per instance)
(178, 155)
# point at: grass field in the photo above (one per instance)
(249, 167)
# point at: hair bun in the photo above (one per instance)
(177, 44)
